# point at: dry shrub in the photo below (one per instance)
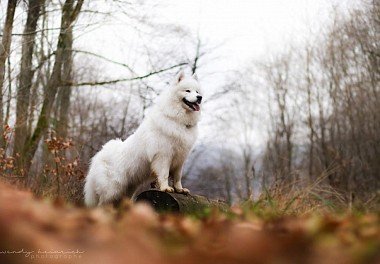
(8, 168)
(64, 170)
(61, 175)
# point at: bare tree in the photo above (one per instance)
(4, 54)
(70, 12)
(26, 75)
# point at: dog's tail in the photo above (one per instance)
(90, 197)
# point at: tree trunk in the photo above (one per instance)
(248, 174)
(26, 76)
(175, 202)
(4, 54)
(310, 120)
(69, 15)
(64, 93)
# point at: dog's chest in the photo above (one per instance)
(176, 138)
(184, 142)
(180, 150)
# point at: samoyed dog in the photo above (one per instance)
(157, 149)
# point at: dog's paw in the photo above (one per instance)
(167, 189)
(183, 190)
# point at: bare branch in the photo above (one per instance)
(104, 58)
(96, 83)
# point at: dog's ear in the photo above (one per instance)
(180, 76)
(195, 76)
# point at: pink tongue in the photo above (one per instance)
(196, 106)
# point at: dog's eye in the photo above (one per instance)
(197, 92)
(187, 91)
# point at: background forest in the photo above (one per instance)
(305, 116)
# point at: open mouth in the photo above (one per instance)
(194, 106)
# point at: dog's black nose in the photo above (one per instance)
(199, 98)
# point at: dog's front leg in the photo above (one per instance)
(177, 182)
(160, 167)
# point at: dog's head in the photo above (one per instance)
(188, 91)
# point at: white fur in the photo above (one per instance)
(158, 147)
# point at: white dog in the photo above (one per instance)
(158, 148)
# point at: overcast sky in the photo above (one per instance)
(243, 30)
(250, 28)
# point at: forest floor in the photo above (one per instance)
(35, 230)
